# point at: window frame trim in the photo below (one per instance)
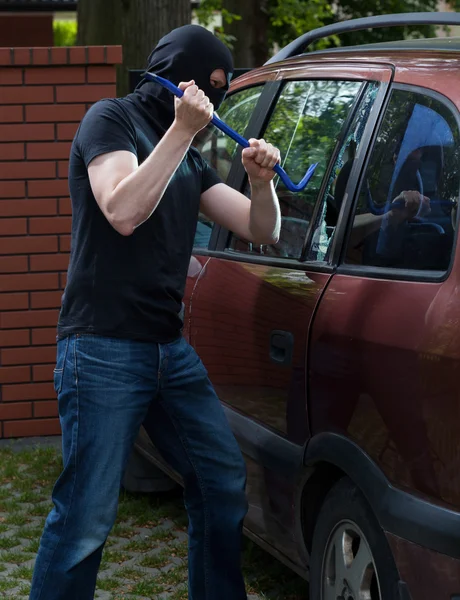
(217, 246)
(342, 134)
(393, 274)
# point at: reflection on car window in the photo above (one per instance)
(404, 212)
(336, 187)
(219, 149)
(305, 126)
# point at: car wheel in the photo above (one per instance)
(142, 476)
(351, 558)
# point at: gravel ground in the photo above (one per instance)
(146, 554)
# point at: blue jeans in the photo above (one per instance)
(106, 388)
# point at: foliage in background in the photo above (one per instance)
(287, 19)
(205, 13)
(291, 18)
(65, 33)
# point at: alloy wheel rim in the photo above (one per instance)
(348, 569)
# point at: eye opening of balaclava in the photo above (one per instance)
(188, 52)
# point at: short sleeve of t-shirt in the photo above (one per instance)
(210, 176)
(105, 128)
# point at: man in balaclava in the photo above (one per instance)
(137, 186)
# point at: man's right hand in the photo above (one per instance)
(194, 110)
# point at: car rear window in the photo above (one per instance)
(405, 215)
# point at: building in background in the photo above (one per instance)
(30, 22)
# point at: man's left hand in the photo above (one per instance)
(259, 160)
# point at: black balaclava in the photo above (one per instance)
(188, 52)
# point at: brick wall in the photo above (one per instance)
(44, 93)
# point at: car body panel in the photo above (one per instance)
(374, 358)
(427, 574)
(236, 308)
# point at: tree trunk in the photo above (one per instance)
(144, 23)
(135, 24)
(99, 23)
(251, 48)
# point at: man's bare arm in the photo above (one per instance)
(128, 193)
(257, 220)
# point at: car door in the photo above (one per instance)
(385, 340)
(252, 306)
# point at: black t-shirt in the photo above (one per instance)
(129, 286)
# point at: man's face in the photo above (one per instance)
(218, 78)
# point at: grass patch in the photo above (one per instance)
(181, 593)
(268, 577)
(17, 518)
(114, 556)
(6, 543)
(7, 506)
(147, 588)
(32, 546)
(29, 533)
(7, 584)
(137, 508)
(23, 573)
(161, 535)
(5, 493)
(24, 589)
(123, 531)
(148, 543)
(10, 471)
(108, 584)
(174, 576)
(158, 560)
(30, 496)
(179, 549)
(15, 558)
(40, 510)
(130, 574)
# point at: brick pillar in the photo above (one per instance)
(44, 93)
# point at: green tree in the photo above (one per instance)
(65, 32)
(253, 29)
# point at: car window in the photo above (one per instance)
(334, 193)
(305, 126)
(219, 149)
(404, 211)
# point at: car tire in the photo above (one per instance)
(351, 558)
(142, 476)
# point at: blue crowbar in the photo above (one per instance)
(239, 139)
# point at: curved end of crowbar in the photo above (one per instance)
(292, 187)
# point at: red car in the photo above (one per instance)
(336, 353)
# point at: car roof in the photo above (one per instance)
(396, 53)
(402, 55)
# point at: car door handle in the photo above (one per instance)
(281, 347)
